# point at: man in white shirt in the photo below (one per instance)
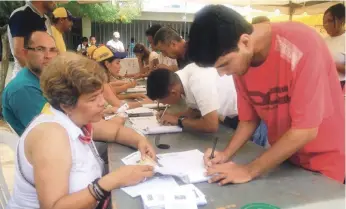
(23, 21)
(164, 61)
(206, 94)
(116, 43)
(334, 23)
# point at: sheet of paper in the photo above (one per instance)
(136, 89)
(173, 198)
(140, 112)
(191, 165)
(179, 198)
(190, 170)
(200, 197)
(153, 106)
(155, 183)
(150, 125)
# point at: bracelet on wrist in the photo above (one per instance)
(99, 191)
(91, 190)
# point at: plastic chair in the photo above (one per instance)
(11, 140)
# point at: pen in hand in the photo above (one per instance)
(214, 146)
(163, 114)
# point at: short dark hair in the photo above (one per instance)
(28, 38)
(166, 35)
(153, 30)
(337, 11)
(84, 39)
(260, 19)
(214, 32)
(159, 83)
(132, 39)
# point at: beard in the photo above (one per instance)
(49, 6)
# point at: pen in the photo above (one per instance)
(163, 113)
(213, 150)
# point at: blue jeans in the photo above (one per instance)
(260, 136)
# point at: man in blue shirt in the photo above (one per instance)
(22, 98)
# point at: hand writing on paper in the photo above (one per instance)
(132, 83)
(229, 173)
(146, 149)
(168, 119)
(219, 157)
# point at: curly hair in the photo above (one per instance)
(68, 76)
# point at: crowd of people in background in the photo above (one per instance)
(262, 79)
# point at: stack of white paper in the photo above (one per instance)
(150, 125)
(188, 166)
(140, 112)
(154, 105)
(186, 196)
(136, 89)
(155, 183)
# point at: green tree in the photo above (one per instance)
(6, 8)
(105, 12)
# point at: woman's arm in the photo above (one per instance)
(118, 82)
(122, 88)
(110, 96)
(43, 148)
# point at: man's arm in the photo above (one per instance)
(292, 141)
(208, 123)
(340, 67)
(18, 50)
(242, 134)
(19, 28)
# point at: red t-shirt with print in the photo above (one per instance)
(298, 87)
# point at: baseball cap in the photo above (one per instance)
(90, 50)
(105, 52)
(61, 12)
(116, 34)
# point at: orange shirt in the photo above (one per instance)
(298, 87)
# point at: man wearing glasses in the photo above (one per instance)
(22, 98)
(23, 21)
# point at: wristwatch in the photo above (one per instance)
(180, 121)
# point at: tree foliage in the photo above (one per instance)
(105, 12)
(6, 8)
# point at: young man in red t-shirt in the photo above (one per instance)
(284, 75)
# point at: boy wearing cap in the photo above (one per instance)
(62, 23)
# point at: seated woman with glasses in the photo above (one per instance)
(57, 163)
(109, 59)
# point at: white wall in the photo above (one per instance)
(86, 27)
(165, 16)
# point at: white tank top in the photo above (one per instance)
(86, 165)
